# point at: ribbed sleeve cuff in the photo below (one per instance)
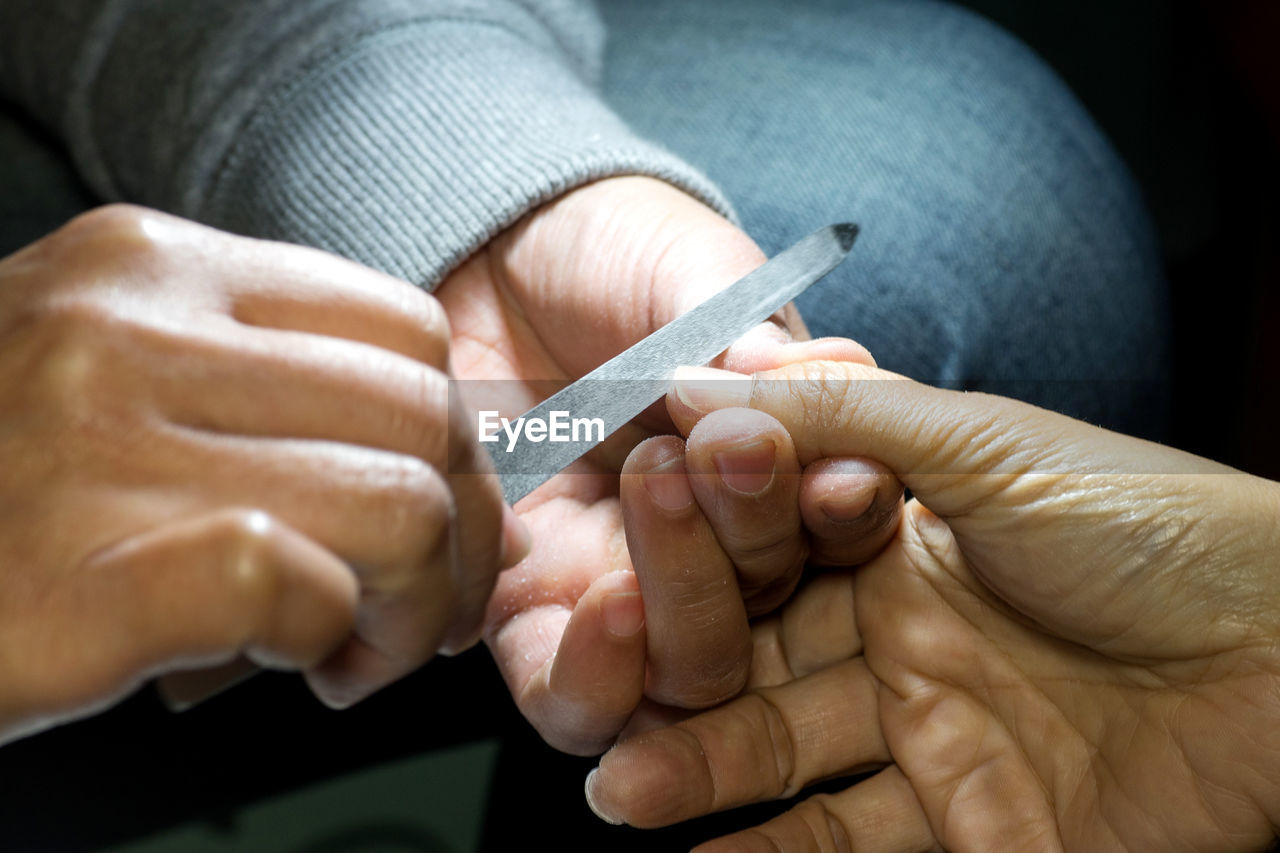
(410, 148)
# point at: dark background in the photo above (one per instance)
(1190, 95)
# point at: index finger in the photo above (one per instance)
(767, 744)
(699, 643)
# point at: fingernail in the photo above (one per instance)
(668, 485)
(847, 506)
(705, 389)
(829, 349)
(182, 691)
(623, 613)
(849, 488)
(332, 694)
(748, 468)
(591, 800)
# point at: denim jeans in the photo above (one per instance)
(1004, 246)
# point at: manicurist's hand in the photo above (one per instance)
(1073, 643)
(213, 447)
(572, 285)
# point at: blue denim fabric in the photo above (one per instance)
(1004, 245)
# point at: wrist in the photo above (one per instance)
(441, 188)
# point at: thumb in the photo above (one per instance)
(700, 264)
(953, 450)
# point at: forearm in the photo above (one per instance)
(404, 135)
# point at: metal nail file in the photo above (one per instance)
(627, 384)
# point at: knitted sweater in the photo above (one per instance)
(401, 133)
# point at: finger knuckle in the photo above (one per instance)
(426, 418)
(822, 399)
(821, 816)
(70, 342)
(773, 595)
(709, 676)
(419, 513)
(758, 839)
(769, 719)
(119, 232)
(920, 639)
(763, 554)
(249, 540)
(426, 313)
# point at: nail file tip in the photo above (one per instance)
(846, 233)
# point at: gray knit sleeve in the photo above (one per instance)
(401, 133)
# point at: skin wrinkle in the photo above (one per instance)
(746, 544)
(1099, 760)
(667, 219)
(1218, 819)
(766, 554)
(839, 835)
(1084, 795)
(818, 818)
(993, 601)
(906, 789)
(1095, 752)
(1017, 614)
(495, 263)
(1172, 543)
(715, 798)
(956, 782)
(781, 735)
(1098, 756)
(1202, 777)
(784, 648)
(496, 628)
(767, 655)
(486, 347)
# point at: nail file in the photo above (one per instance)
(623, 387)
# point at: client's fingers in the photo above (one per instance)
(580, 697)
(764, 745)
(771, 345)
(851, 509)
(880, 815)
(597, 676)
(743, 470)
(816, 629)
(699, 643)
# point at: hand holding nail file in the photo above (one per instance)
(627, 384)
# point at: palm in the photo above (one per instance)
(544, 304)
(1014, 738)
(505, 350)
(569, 287)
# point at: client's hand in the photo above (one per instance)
(213, 447)
(573, 284)
(1072, 644)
